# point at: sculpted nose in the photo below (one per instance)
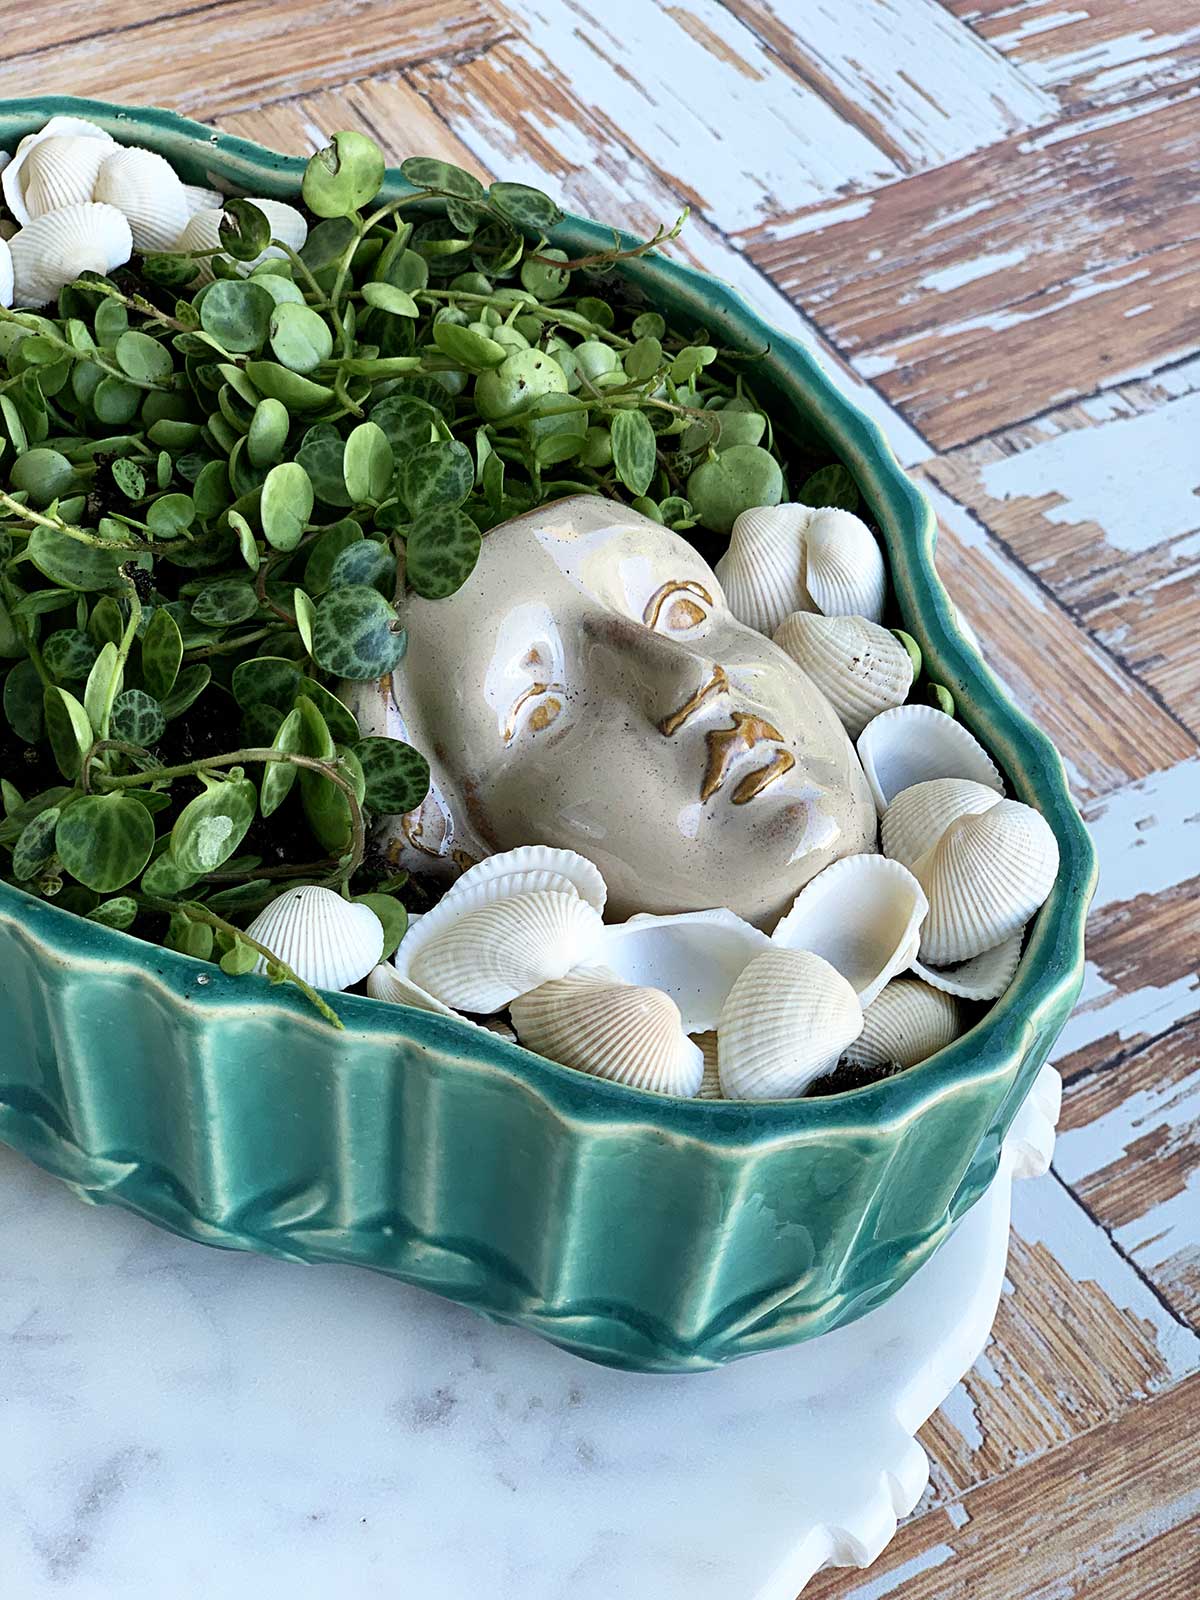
(670, 680)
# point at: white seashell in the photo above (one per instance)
(591, 1020)
(61, 172)
(907, 1022)
(384, 982)
(710, 1083)
(53, 250)
(844, 569)
(984, 977)
(146, 188)
(862, 915)
(915, 743)
(6, 274)
(500, 1029)
(918, 816)
(201, 199)
(762, 572)
(28, 169)
(787, 1020)
(861, 668)
(694, 956)
(326, 940)
(986, 876)
(529, 868)
(483, 958)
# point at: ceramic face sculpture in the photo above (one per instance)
(589, 688)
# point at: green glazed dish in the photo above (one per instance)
(649, 1233)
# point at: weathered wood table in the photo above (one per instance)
(985, 215)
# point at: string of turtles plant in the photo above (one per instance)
(214, 495)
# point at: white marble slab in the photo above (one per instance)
(177, 1421)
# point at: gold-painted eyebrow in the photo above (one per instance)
(656, 602)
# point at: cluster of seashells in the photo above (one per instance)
(867, 970)
(81, 202)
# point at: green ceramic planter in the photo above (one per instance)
(648, 1233)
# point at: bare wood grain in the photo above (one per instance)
(988, 290)
(1106, 50)
(1129, 1145)
(1113, 1516)
(243, 52)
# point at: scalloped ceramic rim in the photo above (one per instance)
(1030, 762)
(1050, 973)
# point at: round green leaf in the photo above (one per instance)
(525, 207)
(831, 486)
(104, 840)
(209, 828)
(338, 718)
(300, 337)
(143, 358)
(441, 474)
(443, 547)
(35, 846)
(162, 653)
(44, 475)
(68, 655)
(189, 686)
(23, 702)
(286, 505)
(268, 433)
(385, 297)
(367, 463)
(237, 313)
(365, 562)
(129, 478)
(397, 776)
(326, 550)
(423, 172)
(393, 916)
(474, 351)
(305, 613)
(279, 776)
(137, 718)
(116, 402)
(189, 938)
(68, 729)
(165, 878)
(245, 232)
(221, 604)
(266, 680)
(120, 913)
(738, 480)
(73, 565)
(356, 634)
(408, 421)
(171, 516)
(344, 176)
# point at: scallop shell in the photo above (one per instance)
(53, 250)
(984, 977)
(532, 867)
(986, 876)
(495, 950)
(710, 1083)
(861, 668)
(694, 956)
(915, 743)
(918, 816)
(907, 1022)
(326, 940)
(762, 572)
(862, 915)
(63, 170)
(201, 199)
(6, 274)
(844, 568)
(593, 1021)
(786, 1022)
(146, 188)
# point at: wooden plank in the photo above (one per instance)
(923, 88)
(1129, 1146)
(60, 22)
(401, 121)
(1109, 730)
(1094, 53)
(1115, 1516)
(520, 115)
(983, 292)
(1102, 501)
(250, 51)
(1078, 1340)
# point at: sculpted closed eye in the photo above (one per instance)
(542, 715)
(674, 605)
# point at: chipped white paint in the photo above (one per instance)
(1147, 834)
(958, 1408)
(1104, 1011)
(1048, 1214)
(956, 215)
(961, 272)
(815, 221)
(1031, 27)
(888, 1583)
(957, 1514)
(1106, 63)
(1137, 478)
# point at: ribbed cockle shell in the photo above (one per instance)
(328, 941)
(919, 816)
(786, 1021)
(762, 572)
(694, 956)
(986, 876)
(52, 168)
(147, 190)
(503, 948)
(861, 668)
(54, 249)
(844, 568)
(592, 1021)
(907, 1022)
(913, 744)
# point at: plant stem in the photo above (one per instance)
(227, 646)
(80, 535)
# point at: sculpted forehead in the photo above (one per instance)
(607, 555)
